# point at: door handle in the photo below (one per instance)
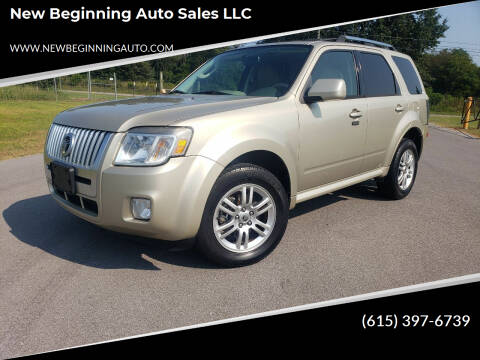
(399, 108)
(355, 114)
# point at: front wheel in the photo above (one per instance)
(402, 173)
(245, 216)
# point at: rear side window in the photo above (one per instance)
(377, 77)
(409, 75)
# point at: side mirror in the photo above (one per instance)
(326, 89)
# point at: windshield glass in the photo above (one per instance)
(257, 71)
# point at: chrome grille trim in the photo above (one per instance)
(88, 147)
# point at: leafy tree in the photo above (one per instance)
(453, 72)
(135, 72)
(413, 34)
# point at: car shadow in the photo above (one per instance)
(42, 223)
(366, 190)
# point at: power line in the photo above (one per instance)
(471, 51)
(464, 48)
(459, 42)
(405, 38)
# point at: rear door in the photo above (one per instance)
(385, 104)
(417, 97)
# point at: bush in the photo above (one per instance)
(446, 103)
(436, 99)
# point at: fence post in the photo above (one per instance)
(133, 88)
(162, 91)
(467, 115)
(55, 87)
(89, 85)
(115, 84)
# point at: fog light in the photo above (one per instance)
(141, 208)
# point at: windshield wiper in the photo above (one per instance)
(212, 92)
(177, 92)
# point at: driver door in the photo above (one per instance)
(332, 132)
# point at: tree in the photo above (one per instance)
(453, 72)
(413, 34)
(134, 72)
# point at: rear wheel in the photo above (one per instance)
(402, 173)
(245, 216)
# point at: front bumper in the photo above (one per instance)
(178, 191)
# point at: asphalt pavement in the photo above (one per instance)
(65, 282)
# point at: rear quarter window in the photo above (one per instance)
(409, 74)
(377, 78)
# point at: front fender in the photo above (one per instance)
(233, 147)
(270, 127)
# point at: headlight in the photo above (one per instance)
(151, 146)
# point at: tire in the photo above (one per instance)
(398, 183)
(222, 236)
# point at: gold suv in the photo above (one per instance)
(240, 141)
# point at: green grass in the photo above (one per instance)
(29, 92)
(26, 112)
(453, 112)
(453, 122)
(24, 123)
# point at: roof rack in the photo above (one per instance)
(348, 38)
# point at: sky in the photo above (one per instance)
(464, 31)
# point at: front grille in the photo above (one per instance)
(85, 147)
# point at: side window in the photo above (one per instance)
(409, 75)
(377, 78)
(337, 65)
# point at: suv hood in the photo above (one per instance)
(162, 110)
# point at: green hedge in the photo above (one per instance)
(444, 103)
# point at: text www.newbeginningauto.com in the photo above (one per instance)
(90, 48)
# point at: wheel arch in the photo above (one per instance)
(415, 134)
(270, 161)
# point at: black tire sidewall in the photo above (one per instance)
(231, 177)
(393, 172)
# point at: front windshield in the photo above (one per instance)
(257, 71)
